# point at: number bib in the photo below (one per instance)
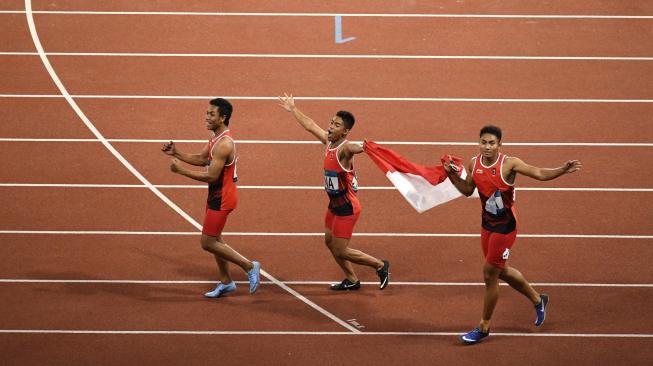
(331, 182)
(494, 204)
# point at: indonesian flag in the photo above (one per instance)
(423, 187)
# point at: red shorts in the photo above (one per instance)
(496, 247)
(340, 226)
(214, 222)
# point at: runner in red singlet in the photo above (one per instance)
(219, 155)
(341, 186)
(493, 174)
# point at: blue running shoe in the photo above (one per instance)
(221, 289)
(540, 309)
(474, 336)
(254, 276)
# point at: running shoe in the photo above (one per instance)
(221, 289)
(254, 276)
(474, 336)
(384, 275)
(540, 309)
(346, 285)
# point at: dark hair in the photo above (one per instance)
(224, 108)
(347, 118)
(492, 130)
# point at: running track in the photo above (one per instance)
(98, 269)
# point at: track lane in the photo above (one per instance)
(360, 78)
(71, 163)
(71, 349)
(280, 210)
(98, 209)
(386, 211)
(24, 119)
(24, 75)
(153, 307)
(183, 307)
(414, 259)
(636, 7)
(451, 309)
(382, 121)
(15, 36)
(375, 36)
(301, 164)
(12, 5)
(64, 163)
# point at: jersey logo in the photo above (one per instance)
(494, 172)
(479, 171)
(506, 254)
(331, 183)
(494, 204)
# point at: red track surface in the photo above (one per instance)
(59, 282)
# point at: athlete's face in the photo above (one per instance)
(337, 129)
(489, 146)
(213, 119)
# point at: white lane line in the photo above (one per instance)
(316, 333)
(315, 283)
(314, 188)
(313, 142)
(318, 234)
(343, 98)
(333, 56)
(136, 173)
(359, 15)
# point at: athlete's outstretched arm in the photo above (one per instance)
(347, 153)
(288, 103)
(221, 152)
(200, 159)
(517, 165)
(465, 186)
(351, 149)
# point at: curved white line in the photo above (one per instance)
(136, 173)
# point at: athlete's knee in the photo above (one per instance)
(491, 274)
(328, 239)
(338, 252)
(207, 243)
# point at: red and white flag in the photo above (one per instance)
(423, 187)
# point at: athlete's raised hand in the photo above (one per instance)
(169, 148)
(449, 165)
(572, 166)
(287, 102)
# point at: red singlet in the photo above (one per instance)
(497, 196)
(223, 194)
(340, 184)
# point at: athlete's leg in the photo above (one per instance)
(491, 276)
(223, 267)
(340, 248)
(345, 265)
(517, 281)
(225, 252)
(342, 228)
